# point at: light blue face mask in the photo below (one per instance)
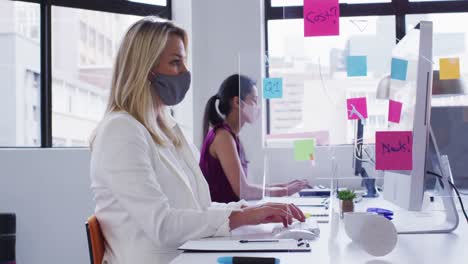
(170, 88)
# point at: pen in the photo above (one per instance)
(247, 260)
(261, 240)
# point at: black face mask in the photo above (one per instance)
(170, 88)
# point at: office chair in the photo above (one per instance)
(95, 240)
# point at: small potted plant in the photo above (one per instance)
(347, 200)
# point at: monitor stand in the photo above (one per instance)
(431, 222)
(368, 183)
(398, 190)
(359, 170)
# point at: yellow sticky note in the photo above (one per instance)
(449, 68)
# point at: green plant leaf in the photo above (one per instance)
(346, 195)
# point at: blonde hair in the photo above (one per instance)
(130, 91)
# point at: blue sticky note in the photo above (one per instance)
(272, 88)
(356, 66)
(399, 69)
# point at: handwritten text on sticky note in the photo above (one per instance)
(449, 68)
(394, 111)
(321, 18)
(399, 69)
(304, 149)
(394, 150)
(356, 66)
(357, 108)
(272, 88)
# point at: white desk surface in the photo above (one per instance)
(451, 248)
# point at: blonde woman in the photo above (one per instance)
(150, 193)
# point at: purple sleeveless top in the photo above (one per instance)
(220, 188)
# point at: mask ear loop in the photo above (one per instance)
(152, 75)
(217, 102)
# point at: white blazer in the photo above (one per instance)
(144, 201)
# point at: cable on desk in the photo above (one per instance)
(456, 191)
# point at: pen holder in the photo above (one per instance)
(347, 206)
(346, 201)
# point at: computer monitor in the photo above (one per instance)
(406, 188)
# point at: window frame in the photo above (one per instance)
(112, 6)
(397, 8)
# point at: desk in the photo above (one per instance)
(410, 249)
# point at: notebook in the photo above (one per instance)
(254, 245)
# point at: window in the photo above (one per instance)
(314, 69)
(301, 2)
(101, 44)
(450, 40)
(152, 2)
(78, 89)
(35, 114)
(92, 37)
(314, 74)
(434, 0)
(59, 142)
(109, 47)
(81, 81)
(20, 74)
(83, 32)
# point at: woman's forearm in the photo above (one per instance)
(255, 192)
(251, 191)
(278, 185)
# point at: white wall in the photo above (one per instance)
(227, 39)
(182, 15)
(49, 190)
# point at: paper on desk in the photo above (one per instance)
(216, 245)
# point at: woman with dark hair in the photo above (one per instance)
(223, 160)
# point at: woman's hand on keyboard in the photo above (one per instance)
(266, 213)
(297, 185)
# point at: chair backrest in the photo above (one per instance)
(95, 240)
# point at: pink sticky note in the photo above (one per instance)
(321, 18)
(357, 108)
(394, 150)
(394, 111)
